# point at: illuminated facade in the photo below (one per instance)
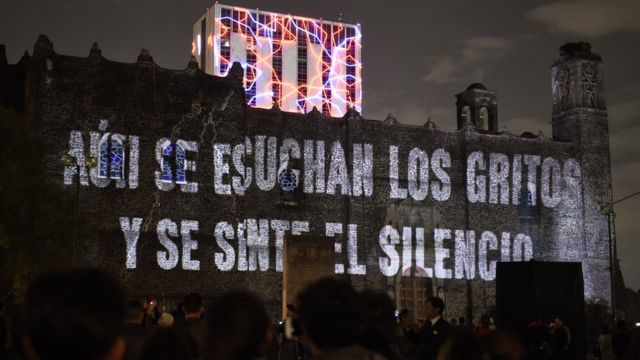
(296, 62)
(195, 190)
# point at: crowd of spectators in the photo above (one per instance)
(83, 314)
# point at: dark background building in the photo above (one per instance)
(74, 102)
(416, 53)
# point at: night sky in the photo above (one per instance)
(416, 56)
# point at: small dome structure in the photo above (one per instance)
(478, 86)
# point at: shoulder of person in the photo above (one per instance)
(442, 323)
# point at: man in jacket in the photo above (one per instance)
(435, 330)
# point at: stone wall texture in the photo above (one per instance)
(62, 93)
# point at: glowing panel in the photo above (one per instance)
(298, 63)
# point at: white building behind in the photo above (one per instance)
(299, 62)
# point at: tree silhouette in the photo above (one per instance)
(36, 214)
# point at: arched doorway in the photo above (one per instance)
(413, 288)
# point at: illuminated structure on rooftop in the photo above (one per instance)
(298, 62)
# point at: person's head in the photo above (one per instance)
(192, 305)
(405, 317)
(403, 313)
(150, 304)
(74, 314)
(165, 320)
(461, 320)
(378, 320)
(135, 312)
(604, 330)
(558, 322)
(291, 310)
(462, 345)
(237, 327)
(621, 325)
(433, 307)
(328, 313)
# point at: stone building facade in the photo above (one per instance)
(171, 207)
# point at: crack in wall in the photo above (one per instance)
(207, 121)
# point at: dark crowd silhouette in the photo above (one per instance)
(83, 314)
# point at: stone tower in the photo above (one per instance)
(479, 106)
(580, 117)
(578, 91)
